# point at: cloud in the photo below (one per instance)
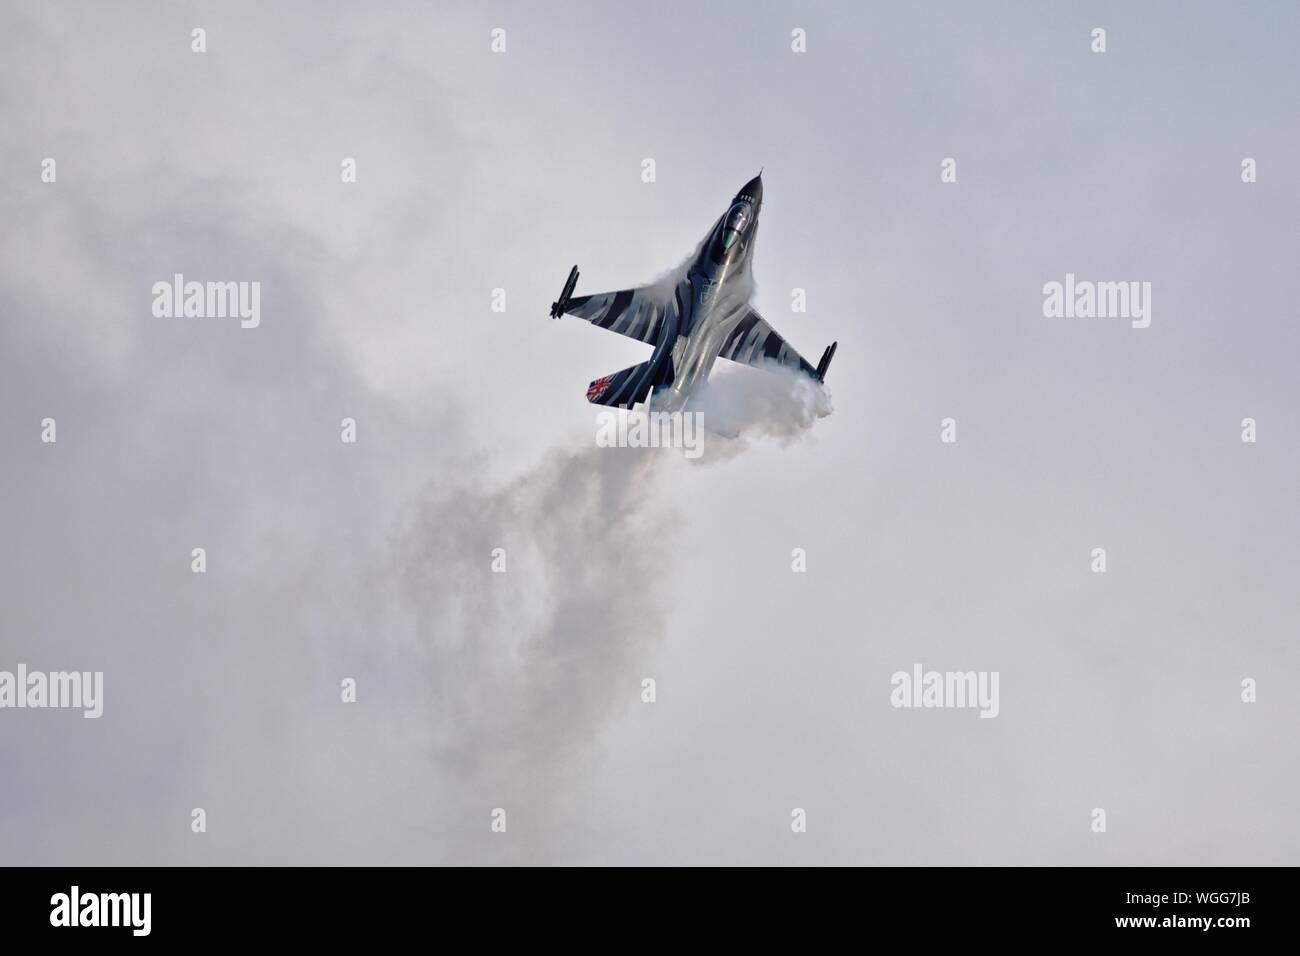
(373, 561)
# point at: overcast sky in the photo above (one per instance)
(481, 170)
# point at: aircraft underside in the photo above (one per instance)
(691, 323)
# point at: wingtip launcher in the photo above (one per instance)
(559, 306)
(825, 363)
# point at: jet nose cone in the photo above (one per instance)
(752, 191)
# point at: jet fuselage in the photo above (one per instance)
(717, 285)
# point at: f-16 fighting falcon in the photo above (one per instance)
(703, 314)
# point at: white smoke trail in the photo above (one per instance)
(741, 405)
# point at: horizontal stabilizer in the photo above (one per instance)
(622, 389)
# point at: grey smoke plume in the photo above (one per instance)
(526, 665)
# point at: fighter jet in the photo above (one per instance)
(691, 320)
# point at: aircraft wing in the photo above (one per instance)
(754, 342)
(636, 313)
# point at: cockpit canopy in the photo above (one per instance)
(738, 220)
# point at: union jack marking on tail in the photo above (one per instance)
(599, 387)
